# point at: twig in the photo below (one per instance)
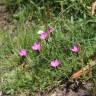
(86, 69)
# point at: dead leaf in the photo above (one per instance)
(93, 7)
(84, 70)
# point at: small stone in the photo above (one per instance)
(82, 92)
(88, 86)
(54, 94)
(1, 93)
(71, 93)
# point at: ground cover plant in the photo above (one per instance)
(46, 42)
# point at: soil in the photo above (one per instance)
(70, 88)
(3, 16)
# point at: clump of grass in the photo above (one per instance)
(73, 25)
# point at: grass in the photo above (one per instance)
(73, 25)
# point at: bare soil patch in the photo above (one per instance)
(4, 14)
(69, 88)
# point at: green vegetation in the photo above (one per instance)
(73, 25)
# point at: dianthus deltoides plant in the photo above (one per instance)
(37, 48)
(31, 62)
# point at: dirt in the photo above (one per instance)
(6, 24)
(3, 16)
(69, 88)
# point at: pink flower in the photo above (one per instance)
(22, 52)
(55, 63)
(36, 46)
(43, 35)
(50, 29)
(75, 49)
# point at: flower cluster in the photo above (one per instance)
(43, 36)
(37, 47)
